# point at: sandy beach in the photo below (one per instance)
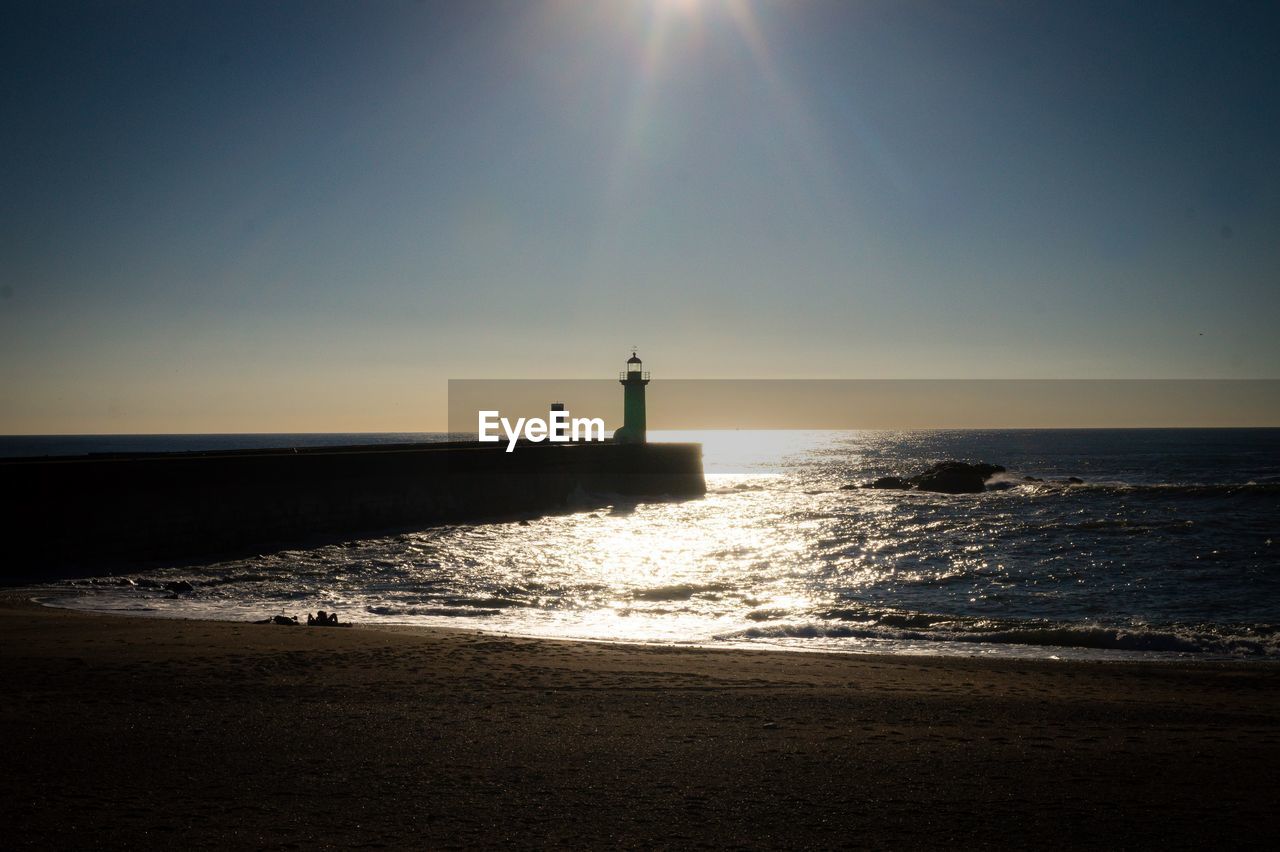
(146, 731)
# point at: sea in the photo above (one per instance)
(1165, 545)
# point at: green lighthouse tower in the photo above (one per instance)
(633, 380)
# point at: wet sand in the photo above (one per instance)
(145, 732)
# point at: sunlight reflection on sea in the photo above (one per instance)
(1165, 550)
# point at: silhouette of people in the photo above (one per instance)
(322, 619)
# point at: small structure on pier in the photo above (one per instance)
(633, 380)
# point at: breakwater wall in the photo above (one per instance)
(86, 515)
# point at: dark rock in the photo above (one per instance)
(888, 482)
(953, 477)
(1075, 480)
(179, 587)
(948, 477)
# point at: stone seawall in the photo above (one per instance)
(79, 516)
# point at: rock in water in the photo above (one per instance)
(948, 477)
(953, 477)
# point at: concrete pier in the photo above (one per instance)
(86, 515)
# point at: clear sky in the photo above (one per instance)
(307, 216)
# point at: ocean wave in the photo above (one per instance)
(1191, 488)
(229, 579)
(487, 603)
(1246, 641)
(1012, 484)
(449, 612)
(739, 488)
(1162, 489)
(767, 614)
(677, 592)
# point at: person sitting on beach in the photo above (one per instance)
(322, 619)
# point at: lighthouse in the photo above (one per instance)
(633, 380)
